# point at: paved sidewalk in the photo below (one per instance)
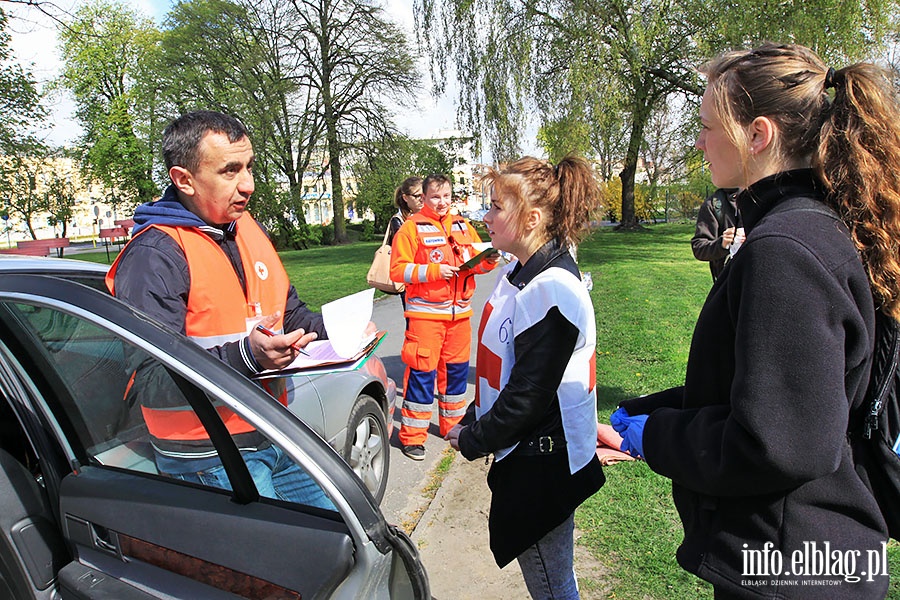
(452, 537)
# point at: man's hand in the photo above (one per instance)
(728, 237)
(277, 351)
(453, 436)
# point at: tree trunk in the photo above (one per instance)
(331, 129)
(298, 212)
(337, 190)
(640, 116)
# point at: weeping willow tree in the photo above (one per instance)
(595, 71)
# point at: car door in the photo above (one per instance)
(69, 357)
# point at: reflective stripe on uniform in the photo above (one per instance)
(427, 228)
(211, 341)
(416, 407)
(418, 306)
(413, 422)
(421, 272)
(413, 415)
(456, 412)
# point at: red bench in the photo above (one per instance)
(37, 251)
(38, 247)
(126, 224)
(114, 235)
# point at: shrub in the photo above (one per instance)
(368, 231)
(328, 234)
(313, 236)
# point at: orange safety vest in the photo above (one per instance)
(423, 243)
(218, 311)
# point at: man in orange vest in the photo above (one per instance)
(425, 255)
(199, 263)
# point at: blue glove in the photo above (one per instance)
(631, 429)
(619, 420)
(633, 436)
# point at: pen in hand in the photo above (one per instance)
(271, 333)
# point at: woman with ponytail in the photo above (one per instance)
(408, 200)
(536, 406)
(755, 442)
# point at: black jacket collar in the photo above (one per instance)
(758, 199)
(521, 274)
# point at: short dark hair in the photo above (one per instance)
(435, 178)
(181, 138)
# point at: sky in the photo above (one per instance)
(34, 43)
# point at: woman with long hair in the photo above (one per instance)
(755, 442)
(408, 200)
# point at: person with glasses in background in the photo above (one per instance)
(408, 200)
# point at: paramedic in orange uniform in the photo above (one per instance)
(426, 254)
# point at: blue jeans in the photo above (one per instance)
(548, 565)
(275, 476)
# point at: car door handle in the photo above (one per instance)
(104, 545)
(106, 541)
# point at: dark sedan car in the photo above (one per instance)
(86, 515)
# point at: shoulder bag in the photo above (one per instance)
(379, 275)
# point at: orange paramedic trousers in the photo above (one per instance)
(434, 352)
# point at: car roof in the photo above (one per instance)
(13, 263)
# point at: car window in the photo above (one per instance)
(120, 407)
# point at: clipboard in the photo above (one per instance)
(475, 260)
(323, 359)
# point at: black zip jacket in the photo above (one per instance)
(755, 442)
(707, 241)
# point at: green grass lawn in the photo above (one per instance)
(648, 290)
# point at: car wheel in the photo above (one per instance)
(367, 448)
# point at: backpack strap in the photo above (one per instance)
(884, 369)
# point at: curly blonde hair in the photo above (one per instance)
(851, 139)
(567, 193)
